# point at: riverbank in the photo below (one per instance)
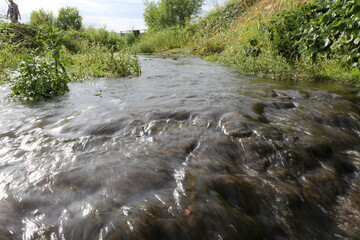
(294, 40)
(40, 61)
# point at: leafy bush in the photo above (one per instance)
(169, 13)
(131, 38)
(41, 17)
(39, 79)
(42, 77)
(69, 18)
(75, 41)
(325, 27)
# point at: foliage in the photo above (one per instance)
(42, 77)
(39, 79)
(162, 40)
(299, 43)
(13, 38)
(131, 38)
(169, 13)
(324, 27)
(80, 41)
(110, 39)
(295, 39)
(98, 61)
(69, 18)
(8, 59)
(41, 17)
(20, 34)
(45, 58)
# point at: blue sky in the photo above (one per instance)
(117, 15)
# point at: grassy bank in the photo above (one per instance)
(293, 39)
(39, 61)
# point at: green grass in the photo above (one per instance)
(273, 38)
(156, 41)
(47, 58)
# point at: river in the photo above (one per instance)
(188, 150)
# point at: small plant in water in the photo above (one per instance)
(42, 77)
(38, 79)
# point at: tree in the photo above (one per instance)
(41, 17)
(168, 13)
(69, 18)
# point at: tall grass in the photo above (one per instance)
(163, 40)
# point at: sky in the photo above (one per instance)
(116, 15)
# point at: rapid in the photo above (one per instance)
(188, 150)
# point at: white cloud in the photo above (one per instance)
(116, 23)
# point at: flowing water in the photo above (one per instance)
(188, 150)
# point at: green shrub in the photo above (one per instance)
(130, 38)
(75, 41)
(322, 27)
(170, 13)
(69, 18)
(104, 37)
(41, 17)
(42, 77)
(39, 79)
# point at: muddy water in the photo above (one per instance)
(189, 150)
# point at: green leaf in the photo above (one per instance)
(311, 36)
(357, 41)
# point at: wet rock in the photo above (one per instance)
(272, 93)
(177, 115)
(347, 212)
(217, 152)
(236, 193)
(282, 174)
(235, 125)
(338, 120)
(343, 165)
(322, 186)
(284, 105)
(240, 133)
(297, 161)
(259, 108)
(315, 146)
(170, 229)
(305, 94)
